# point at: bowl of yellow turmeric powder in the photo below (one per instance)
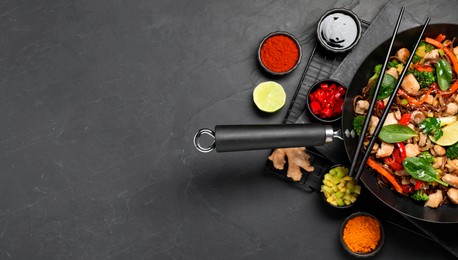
(362, 235)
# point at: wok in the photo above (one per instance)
(251, 137)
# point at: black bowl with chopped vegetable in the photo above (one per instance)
(339, 189)
(325, 99)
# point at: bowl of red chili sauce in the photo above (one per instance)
(325, 100)
(279, 53)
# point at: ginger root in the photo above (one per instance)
(297, 159)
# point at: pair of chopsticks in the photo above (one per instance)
(388, 105)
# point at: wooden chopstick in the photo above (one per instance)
(388, 105)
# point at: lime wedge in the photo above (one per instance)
(269, 96)
(450, 135)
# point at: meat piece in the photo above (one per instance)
(439, 162)
(434, 54)
(452, 194)
(386, 149)
(439, 150)
(402, 55)
(373, 124)
(410, 84)
(391, 118)
(452, 165)
(434, 199)
(297, 159)
(451, 179)
(393, 72)
(412, 150)
(451, 109)
(361, 107)
(455, 51)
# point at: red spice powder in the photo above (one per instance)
(279, 53)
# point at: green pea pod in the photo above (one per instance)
(443, 74)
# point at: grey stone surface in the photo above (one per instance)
(99, 102)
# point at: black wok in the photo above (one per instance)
(251, 137)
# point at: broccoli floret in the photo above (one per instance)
(358, 123)
(419, 195)
(452, 151)
(422, 49)
(393, 64)
(425, 78)
(377, 70)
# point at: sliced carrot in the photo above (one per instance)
(413, 101)
(452, 57)
(440, 38)
(423, 68)
(451, 90)
(385, 173)
(434, 42)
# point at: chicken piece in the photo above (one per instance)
(391, 118)
(451, 109)
(434, 199)
(410, 84)
(439, 150)
(297, 159)
(402, 55)
(452, 194)
(455, 51)
(386, 149)
(439, 162)
(434, 54)
(373, 124)
(361, 107)
(451, 179)
(393, 72)
(412, 150)
(452, 165)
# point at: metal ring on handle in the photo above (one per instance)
(197, 144)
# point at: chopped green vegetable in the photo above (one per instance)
(393, 64)
(422, 49)
(421, 170)
(424, 78)
(431, 126)
(338, 188)
(377, 70)
(444, 74)
(358, 123)
(452, 151)
(419, 195)
(396, 133)
(427, 157)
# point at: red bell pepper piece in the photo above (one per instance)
(320, 95)
(405, 119)
(392, 163)
(315, 107)
(402, 150)
(418, 184)
(326, 112)
(324, 86)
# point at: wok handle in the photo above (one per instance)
(228, 138)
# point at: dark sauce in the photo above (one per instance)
(338, 30)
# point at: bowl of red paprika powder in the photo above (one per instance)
(325, 100)
(362, 235)
(279, 53)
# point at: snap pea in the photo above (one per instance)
(443, 74)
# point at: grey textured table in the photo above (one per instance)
(100, 101)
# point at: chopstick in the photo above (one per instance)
(388, 105)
